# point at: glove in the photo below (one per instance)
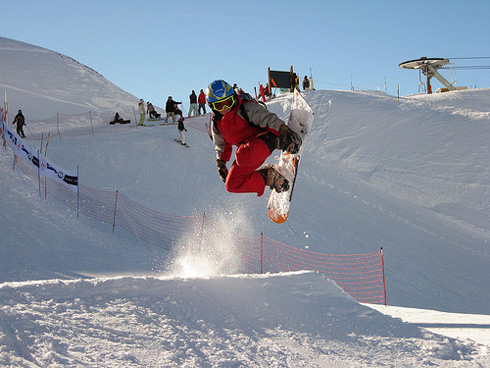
(222, 169)
(289, 141)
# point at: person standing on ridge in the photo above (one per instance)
(141, 108)
(239, 121)
(171, 107)
(193, 104)
(201, 99)
(306, 83)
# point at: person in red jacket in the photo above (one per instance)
(201, 100)
(256, 132)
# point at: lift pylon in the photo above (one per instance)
(429, 67)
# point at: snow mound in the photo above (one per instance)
(285, 320)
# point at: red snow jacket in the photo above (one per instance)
(233, 129)
(201, 98)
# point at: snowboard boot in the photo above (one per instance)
(273, 179)
(289, 141)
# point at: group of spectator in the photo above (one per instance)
(197, 104)
(307, 83)
(197, 108)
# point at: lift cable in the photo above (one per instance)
(470, 57)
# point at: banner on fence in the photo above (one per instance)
(46, 167)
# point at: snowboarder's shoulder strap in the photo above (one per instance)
(247, 98)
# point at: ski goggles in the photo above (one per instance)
(223, 104)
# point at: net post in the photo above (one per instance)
(115, 211)
(39, 172)
(261, 253)
(383, 269)
(58, 123)
(78, 191)
(91, 124)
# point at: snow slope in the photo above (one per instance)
(43, 83)
(409, 176)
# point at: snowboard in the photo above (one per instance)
(301, 121)
(179, 142)
(151, 123)
(120, 122)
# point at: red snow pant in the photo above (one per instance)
(243, 177)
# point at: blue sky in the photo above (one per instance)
(154, 49)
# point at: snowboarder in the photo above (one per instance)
(20, 120)
(239, 121)
(171, 108)
(181, 129)
(118, 120)
(151, 111)
(141, 108)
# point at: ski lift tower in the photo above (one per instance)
(429, 67)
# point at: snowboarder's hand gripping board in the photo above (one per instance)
(300, 121)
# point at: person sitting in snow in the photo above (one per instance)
(255, 132)
(150, 109)
(117, 119)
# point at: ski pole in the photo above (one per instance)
(28, 129)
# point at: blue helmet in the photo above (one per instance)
(218, 90)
